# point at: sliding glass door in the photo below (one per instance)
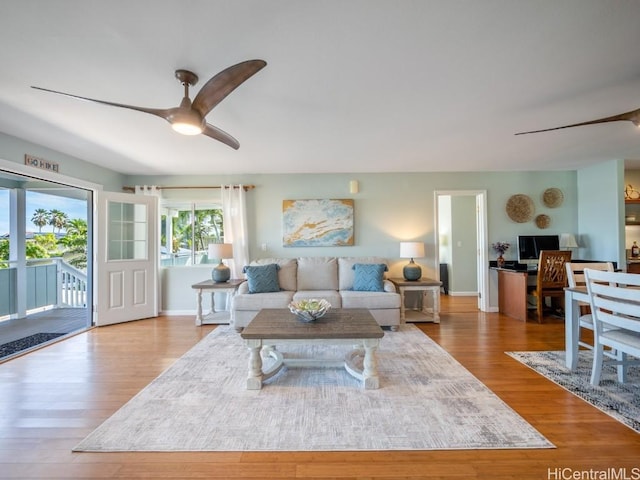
(45, 272)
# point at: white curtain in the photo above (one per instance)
(154, 191)
(235, 227)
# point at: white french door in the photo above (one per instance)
(126, 273)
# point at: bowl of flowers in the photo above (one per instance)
(310, 309)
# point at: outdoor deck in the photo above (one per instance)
(57, 320)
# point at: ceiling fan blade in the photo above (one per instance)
(162, 113)
(632, 116)
(219, 86)
(220, 135)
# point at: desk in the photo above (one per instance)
(512, 293)
(425, 285)
(229, 287)
(572, 323)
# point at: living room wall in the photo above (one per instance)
(601, 211)
(389, 207)
(14, 149)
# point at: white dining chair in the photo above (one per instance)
(615, 305)
(575, 278)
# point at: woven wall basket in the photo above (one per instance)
(520, 208)
(543, 221)
(552, 197)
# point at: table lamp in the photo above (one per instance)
(568, 241)
(221, 273)
(412, 270)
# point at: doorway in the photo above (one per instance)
(472, 254)
(45, 244)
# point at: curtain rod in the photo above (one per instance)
(245, 187)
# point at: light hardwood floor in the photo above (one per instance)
(50, 399)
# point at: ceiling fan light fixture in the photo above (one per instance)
(187, 122)
(186, 128)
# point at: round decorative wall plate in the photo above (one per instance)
(543, 221)
(520, 208)
(552, 197)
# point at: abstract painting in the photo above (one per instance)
(317, 223)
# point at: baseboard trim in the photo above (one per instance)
(175, 313)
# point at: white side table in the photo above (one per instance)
(215, 317)
(426, 286)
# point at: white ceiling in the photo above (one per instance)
(350, 85)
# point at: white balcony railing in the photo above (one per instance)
(50, 283)
(72, 285)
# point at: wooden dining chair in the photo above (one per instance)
(575, 278)
(551, 278)
(615, 305)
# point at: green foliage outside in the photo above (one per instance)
(4, 253)
(58, 219)
(75, 243)
(207, 228)
(40, 218)
(72, 247)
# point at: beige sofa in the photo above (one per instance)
(331, 278)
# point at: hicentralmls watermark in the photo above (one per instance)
(612, 473)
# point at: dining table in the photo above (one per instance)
(572, 297)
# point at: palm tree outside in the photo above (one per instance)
(75, 243)
(58, 219)
(40, 218)
(192, 230)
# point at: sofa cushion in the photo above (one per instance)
(287, 272)
(258, 301)
(347, 274)
(262, 278)
(369, 277)
(331, 296)
(370, 300)
(317, 273)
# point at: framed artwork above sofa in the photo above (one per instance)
(317, 223)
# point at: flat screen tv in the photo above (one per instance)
(529, 247)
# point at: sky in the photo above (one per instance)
(72, 207)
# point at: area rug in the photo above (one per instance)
(619, 400)
(427, 401)
(16, 346)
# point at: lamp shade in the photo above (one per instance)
(411, 249)
(220, 250)
(412, 270)
(568, 240)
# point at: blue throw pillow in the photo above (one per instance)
(262, 278)
(369, 277)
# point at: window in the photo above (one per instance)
(127, 233)
(186, 229)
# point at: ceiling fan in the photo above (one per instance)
(189, 117)
(632, 116)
